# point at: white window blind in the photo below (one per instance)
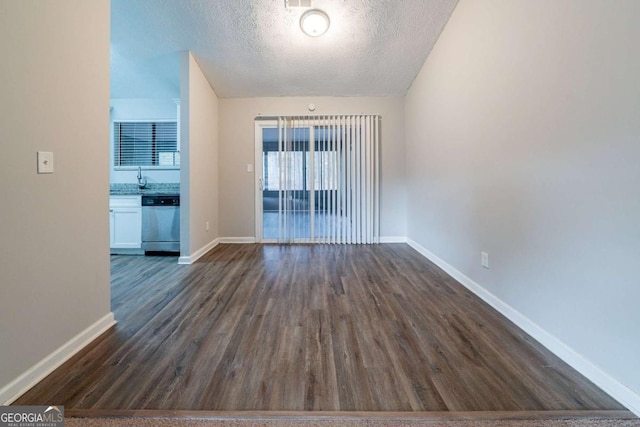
(145, 144)
(340, 204)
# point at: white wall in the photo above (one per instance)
(199, 158)
(523, 141)
(237, 148)
(142, 109)
(54, 249)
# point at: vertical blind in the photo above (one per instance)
(328, 171)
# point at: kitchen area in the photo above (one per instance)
(144, 202)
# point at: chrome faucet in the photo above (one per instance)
(141, 183)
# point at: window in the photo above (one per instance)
(293, 180)
(146, 144)
(326, 168)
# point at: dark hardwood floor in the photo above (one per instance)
(313, 328)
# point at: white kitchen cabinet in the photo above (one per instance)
(125, 221)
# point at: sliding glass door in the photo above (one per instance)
(317, 180)
(285, 184)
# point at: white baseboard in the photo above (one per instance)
(393, 239)
(610, 385)
(237, 240)
(40, 370)
(206, 248)
(244, 240)
(190, 259)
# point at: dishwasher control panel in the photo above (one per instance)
(160, 200)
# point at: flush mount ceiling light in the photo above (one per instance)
(314, 23)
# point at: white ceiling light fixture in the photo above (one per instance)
(314, 23)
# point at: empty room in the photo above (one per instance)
(320, 212)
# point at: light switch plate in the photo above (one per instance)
(45, 162)
(484, 259)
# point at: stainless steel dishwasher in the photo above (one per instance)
(161, 223)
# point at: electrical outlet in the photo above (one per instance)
(206, 226)
(484, 259)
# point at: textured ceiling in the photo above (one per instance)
(254, 48)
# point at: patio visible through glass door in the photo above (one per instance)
(294, 184)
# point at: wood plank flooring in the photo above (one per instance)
(309, 328)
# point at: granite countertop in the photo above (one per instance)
(151, 189)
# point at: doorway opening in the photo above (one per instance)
(317, 179)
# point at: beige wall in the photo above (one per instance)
(237, 150)
(199, 158)
(54, 244)
(523, 140)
